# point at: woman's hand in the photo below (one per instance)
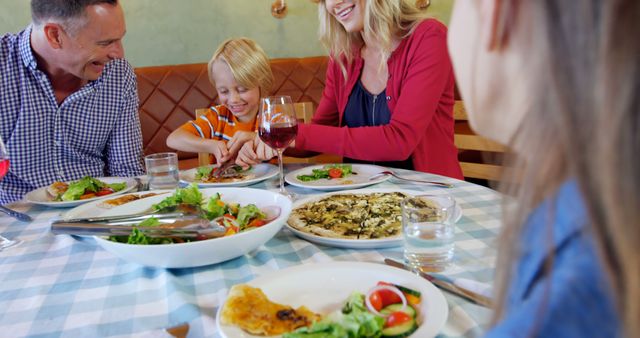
(238, 140)
(254, 152)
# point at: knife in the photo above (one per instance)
(445, 285)
(15, 214)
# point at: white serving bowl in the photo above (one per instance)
(199, 253)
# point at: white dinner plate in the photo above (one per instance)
(261, 172)
(40, 195)
(360, 243)
(197, 253)
(325, 287)
(98, 209)
(360, 178)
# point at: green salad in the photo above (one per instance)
(329, 171)
(387, 310)
(89, 187)
(212, 174)
(232, 216)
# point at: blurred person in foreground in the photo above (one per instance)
(551, 79)
(388, 96)
(68, 98)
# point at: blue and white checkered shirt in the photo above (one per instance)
(95, 131)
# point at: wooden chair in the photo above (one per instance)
(304, 113)
(485, 166)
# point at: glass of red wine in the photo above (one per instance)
(5, 243)
(278, 127)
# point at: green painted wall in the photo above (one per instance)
(163, 32)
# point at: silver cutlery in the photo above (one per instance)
(173, 211)
(187, 228)
(469, 295)
(15, 214)
(386, 172)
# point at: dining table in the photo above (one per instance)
(60, 286)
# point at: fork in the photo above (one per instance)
(386, 172)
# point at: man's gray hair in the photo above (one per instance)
(65, 12)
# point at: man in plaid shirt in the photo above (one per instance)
(68, 99)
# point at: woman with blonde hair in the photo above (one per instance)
(552, 79)
(388, 95)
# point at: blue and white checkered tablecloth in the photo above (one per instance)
(57, 286)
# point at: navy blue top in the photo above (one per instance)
(365, 110)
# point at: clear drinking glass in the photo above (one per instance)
(428, 231)
(5, 243)
(162, 170)
(278, 127)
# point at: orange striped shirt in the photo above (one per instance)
(218, 124)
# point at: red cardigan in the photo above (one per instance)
(420, 98)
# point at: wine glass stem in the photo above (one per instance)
(282, 191)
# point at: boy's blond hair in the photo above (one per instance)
(249, 64)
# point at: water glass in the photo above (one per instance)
(428, 231)
(162, 170)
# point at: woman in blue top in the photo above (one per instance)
(559, 82)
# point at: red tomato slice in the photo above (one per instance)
(396, 318)
(104, 191)
(388, 297)
(376, 300)
(256, 223)
(335, 172)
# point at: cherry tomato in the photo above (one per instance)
(376, 300)
(335, 172)
(89, 195)
(104, 191)
(396, 318)
(229, 216)
(388, 297)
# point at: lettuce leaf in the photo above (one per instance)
(247, 213)
(214, 208)
(203, 172)
(189, 195)
(353, 321)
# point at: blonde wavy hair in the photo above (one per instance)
(249, 64)
(585, 81)
(383, 20)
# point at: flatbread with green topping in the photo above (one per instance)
(351, 216)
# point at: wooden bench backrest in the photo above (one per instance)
(467, 140)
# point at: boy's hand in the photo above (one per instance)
(220, 151)
(238, 140)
